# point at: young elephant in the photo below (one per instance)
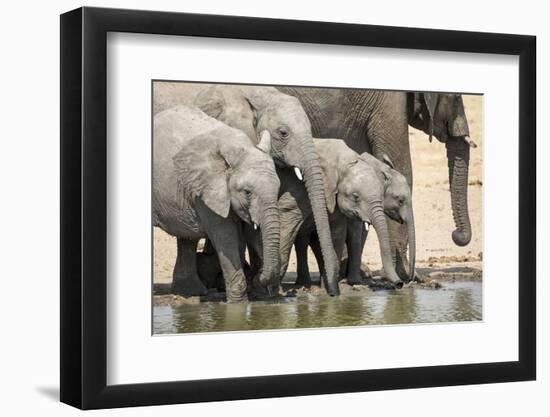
(397, 206)
(354, 191)
(207, 177)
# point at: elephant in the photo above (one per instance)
(354, 191)
(397, 206)
(208, 178)
(443, 116)
(376, 121)
(267, 115)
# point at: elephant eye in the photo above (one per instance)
(283, 132)
(247, 193)
(355, 197)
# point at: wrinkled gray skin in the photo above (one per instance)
(397, 206)
(207, 178)
(443, 116)
(376, 122)
(264, 113)
(354, 191)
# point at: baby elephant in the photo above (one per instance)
(397, 206)
(207, 179)
(354, 191)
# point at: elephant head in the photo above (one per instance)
(357, 188)
(397, 201)
(225, 171)
(443, 116)
(279, 125)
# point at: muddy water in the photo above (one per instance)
(459, 301)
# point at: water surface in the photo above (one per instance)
(458, 301)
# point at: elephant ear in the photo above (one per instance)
(211, 101)
(202, 175)
(430, 101)
(254, 105)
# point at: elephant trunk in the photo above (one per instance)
(270, 227)
(409, 219)
(313, 177)
(458, 155)
(381, 227)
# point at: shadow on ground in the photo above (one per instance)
(50, 392)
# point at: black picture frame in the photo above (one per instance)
(84, 207)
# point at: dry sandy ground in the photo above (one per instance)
(432, 208)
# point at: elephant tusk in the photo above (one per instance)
(255, 226)
(367, 225)
(469, 141)
(298, 173)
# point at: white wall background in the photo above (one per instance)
(29, 175)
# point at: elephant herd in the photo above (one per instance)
(269, 168)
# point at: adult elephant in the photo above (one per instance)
(267, 115)
(376, 122)
(443, 116)
(207, 177)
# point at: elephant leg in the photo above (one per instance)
(339, 231)
(225, 239)
(357, 235)
(255, 259)
(185, 277)
(316, 249)
(291, 223)
(302, 268)
(388, 136)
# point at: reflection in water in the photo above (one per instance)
(460, 301)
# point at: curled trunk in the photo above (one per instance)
(314, 182)
(270, 228)
(458, 155)
(381, 227)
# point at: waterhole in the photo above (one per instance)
(455, 302)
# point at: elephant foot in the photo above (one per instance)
(382, 284)
(188, 287)
(304, 281)
(233, 297)
(361, 277)
(235, 288)
(257, 291)
(237, 300)
(417, 278)
(357, 281)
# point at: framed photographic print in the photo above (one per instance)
(257, 208)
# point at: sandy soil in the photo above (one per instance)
(432, 208)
